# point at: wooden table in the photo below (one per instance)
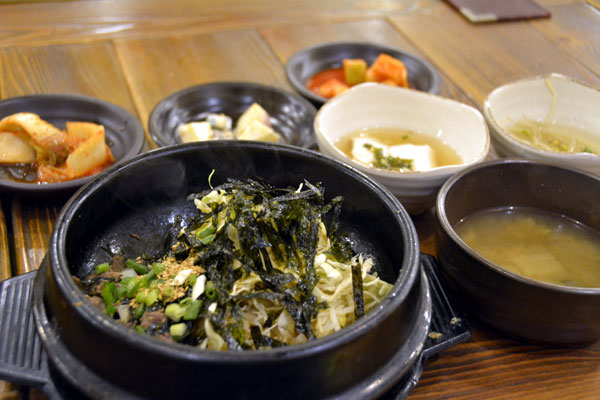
(135, 52)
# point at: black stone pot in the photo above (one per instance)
(129, 208)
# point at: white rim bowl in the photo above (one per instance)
(372, 105)
(577, 104)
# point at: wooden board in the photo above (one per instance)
(5, 270)
(45, 23)
(492, 55)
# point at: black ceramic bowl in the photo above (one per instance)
(291, 115)
(307, 62)
(522, 307)
(107, 360)
(124, 134)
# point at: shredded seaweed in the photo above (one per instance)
(257, 263)
(357, 291)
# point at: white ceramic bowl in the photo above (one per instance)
(372, 105)
(577, 104)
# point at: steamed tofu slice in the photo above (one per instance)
(254, 113)
(256, 130)
(360, 153)
(421, 154)
(195, 132)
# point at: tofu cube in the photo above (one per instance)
(195, 132)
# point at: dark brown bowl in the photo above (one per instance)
(521, 307)
(105, 359)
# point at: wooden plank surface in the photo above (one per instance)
(32, 226)
(5, 269)
(491, 366)
(479, 58)
(45, 23)
(575, 29)
(155, 68)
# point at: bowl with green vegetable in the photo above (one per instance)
(233, 270)
(549, 118)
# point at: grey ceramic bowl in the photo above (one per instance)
(521, 307)
(291, 115)
(307, 62)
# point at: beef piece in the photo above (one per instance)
(96, 289)
(152, 319)
(97, 302)
(118, 263)
(78, 283)
(111, 275)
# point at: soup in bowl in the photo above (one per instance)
(513, 237)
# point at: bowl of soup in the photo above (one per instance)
(520, 243)
(407, 140)
(549, 118)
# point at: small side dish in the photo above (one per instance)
(253, 124)
(257, 267)
(35, 151)
(385, 69)
(547, 118)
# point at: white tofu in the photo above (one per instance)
(219, 121)
(422, 155)
(195, 132)
(256, 130)
(254, 113)
(361, 154)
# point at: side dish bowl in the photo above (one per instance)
(371, 105)
(521, 307)
(130, 209)
(554, 98)
(124, 133)
(291, 116)
(307, 62)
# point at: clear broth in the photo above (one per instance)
(535, 244)
(444, 154)
(554, 137)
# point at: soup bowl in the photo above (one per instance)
(524, 308)
(129, 209)
(554, 98)
(371, 105)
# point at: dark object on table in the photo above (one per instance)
(521, 307)
(34, 369)
(478, 11)
(143, 197)
(124, 134)
(291, 116)
(307, 62)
